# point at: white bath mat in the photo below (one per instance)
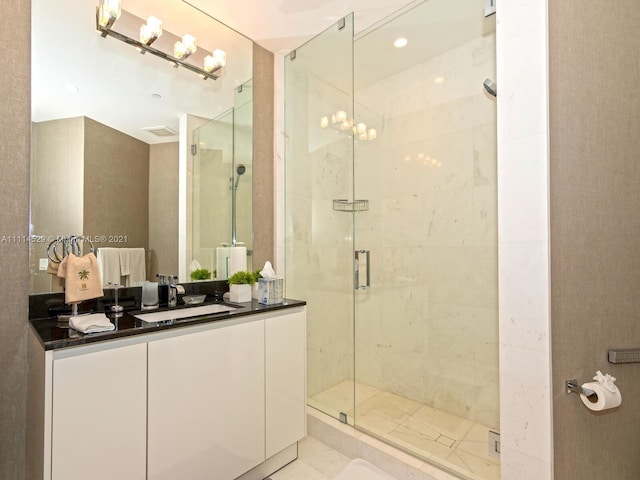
(359, 469)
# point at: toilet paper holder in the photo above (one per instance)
(572, 386)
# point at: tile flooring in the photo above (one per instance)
(316, 461)
(458, 444)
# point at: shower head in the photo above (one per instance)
(491, 87)
(240, 170)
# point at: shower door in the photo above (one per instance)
(426, 330)
(391, 230)
(319, 232)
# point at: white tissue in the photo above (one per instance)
(607, 381)
(268, 271)
(606, 396)
(195, 265)
(270, 287)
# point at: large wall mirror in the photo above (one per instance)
(131, 151)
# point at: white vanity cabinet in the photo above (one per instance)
(285, 344)
(206, 403)
(221, 400)
(98, 413)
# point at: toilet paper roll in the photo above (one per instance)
(237, 260)
(604, 399)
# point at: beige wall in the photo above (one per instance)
(14, 261)
(104, 192)
(116, 185)
(263, 157)
(595, 229)
(56, 208)
(163, 209)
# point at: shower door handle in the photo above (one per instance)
(356, 269)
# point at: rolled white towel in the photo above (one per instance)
(96, 322)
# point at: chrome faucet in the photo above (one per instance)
(173, 291)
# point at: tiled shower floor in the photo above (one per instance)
(459, 444)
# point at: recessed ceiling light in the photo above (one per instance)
(400, 42)
(438, 80)
(72, 88)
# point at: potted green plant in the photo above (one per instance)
(240, 286)
(254, 290)
(201, 274)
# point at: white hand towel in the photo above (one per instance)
(96, 322)
(137, 267)
(125, 268)
(109, 261)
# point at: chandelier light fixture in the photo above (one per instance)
(109, 11)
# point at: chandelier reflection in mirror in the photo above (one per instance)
(339, 121)
(110, 11)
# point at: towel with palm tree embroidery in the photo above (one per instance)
(82, 277)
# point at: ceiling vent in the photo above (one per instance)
(161, 131)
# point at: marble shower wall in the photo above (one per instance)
(428, 327)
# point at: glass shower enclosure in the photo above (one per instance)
(221, 182)
(391, 229)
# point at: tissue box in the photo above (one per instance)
(270, 290)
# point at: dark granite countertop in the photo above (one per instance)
(53, 337)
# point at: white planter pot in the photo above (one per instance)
(240, 293)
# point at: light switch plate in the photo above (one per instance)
(43, 264)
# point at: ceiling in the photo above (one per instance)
(282, 25)
(115, 85)
(77, 73)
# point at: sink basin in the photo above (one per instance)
(184, 313)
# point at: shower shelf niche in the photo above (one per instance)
(342, 205)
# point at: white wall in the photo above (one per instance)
(523, 232)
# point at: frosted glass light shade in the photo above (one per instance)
(217, 59)
(108, 12)
(184, 48)
(151, 31)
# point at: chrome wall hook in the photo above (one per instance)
(573, 387)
